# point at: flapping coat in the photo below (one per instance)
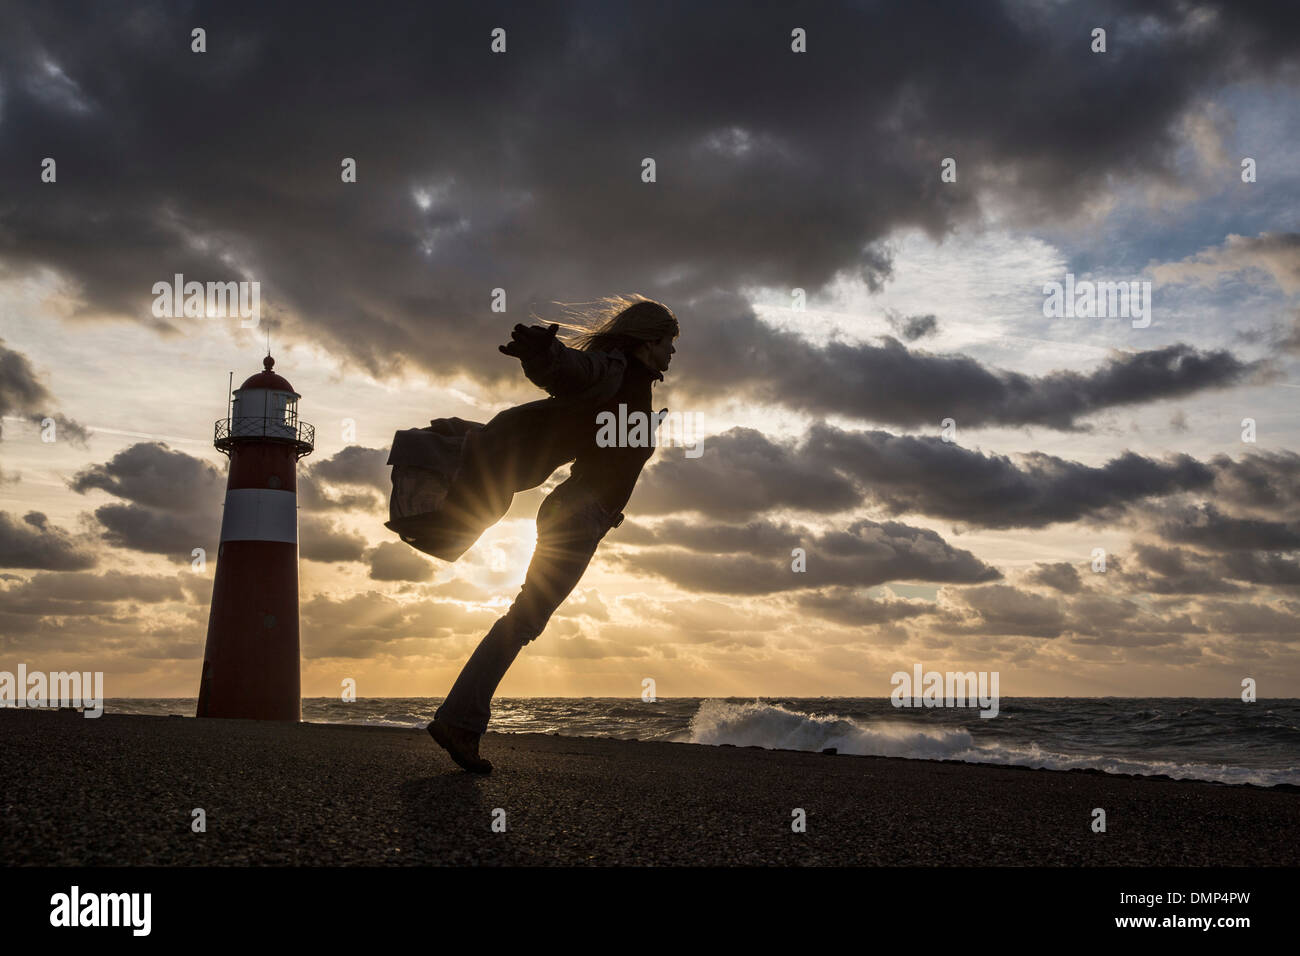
(455, 479)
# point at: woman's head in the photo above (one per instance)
(631, 323)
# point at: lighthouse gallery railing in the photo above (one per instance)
(229, 430)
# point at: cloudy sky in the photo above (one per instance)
(839, 300)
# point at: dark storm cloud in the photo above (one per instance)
(320, 539)
(1264, 482)
(1060, 576)
(156, 476)
(82, 593)
(174, 535)
(1101, 613)
(22, 392)
(757, 558)
(1003, 609)
(1257, 567)
(1254, 620)
(20, 389)
(914, 327)
(742, 472)
(1111, 619)
(1206, 527)
(1155, 570)
(360, 471)
(774, 168)
(172, 501)
(892, 384)
(1088, 617)
(850, 607)
(1121, 607)
(1258, 544)
(33, 542)
(930, 476)
(346, 481)
(354, 465)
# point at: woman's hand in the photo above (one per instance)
(527, 341)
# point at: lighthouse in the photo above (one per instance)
(250, 662)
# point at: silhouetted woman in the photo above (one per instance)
(453, 480)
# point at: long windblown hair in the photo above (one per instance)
(620, 322)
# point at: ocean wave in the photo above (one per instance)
(719, 722)
(773, 726)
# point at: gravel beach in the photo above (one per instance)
(120, 790)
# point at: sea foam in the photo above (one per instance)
(773, 726)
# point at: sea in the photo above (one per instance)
(1224, 740)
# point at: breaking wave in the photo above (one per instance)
(757, 724)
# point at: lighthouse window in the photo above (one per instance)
(291, 411)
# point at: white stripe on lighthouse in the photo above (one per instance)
(260, 514)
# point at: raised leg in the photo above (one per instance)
(570, 524)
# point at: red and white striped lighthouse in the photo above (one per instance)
(250, 663)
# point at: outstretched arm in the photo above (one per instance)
(552, 365)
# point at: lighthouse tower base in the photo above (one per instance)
(250, 664)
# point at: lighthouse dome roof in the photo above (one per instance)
(268, 379)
